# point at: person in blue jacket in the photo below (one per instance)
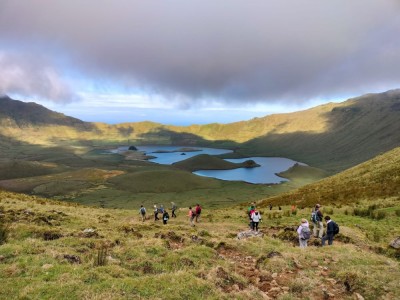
(330, 231)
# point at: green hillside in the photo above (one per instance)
(209, 162)
(374, 179)
(59, 250)
(332, 137)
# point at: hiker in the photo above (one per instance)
(270, 207)
(161, 209)
(191, 215)
(316, 218)
(156, 213)
(165, 217)
(255, 218)
(331, 229)
(280, 208)
(250, 211)
(304, 233)
(293, 208)
(142, 212)
(198, 212)
(173, 208)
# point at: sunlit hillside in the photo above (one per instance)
(375, 179)
(333, 137)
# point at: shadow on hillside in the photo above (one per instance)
(183, 139)
(356, 131)
(365, 127)
(13, 149)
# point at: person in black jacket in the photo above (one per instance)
(317, 222)
(330, 231)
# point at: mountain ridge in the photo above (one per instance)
(332, 136)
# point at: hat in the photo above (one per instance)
(303, 221)
(317, 205)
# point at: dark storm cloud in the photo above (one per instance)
(226, 50)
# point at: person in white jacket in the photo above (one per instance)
(304, 233)
(256, 218)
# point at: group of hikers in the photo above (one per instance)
(303, 230)
(193, 214)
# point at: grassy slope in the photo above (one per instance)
(376, 178)
(48, 256)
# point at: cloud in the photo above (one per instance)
(188, 51)
(33, 77)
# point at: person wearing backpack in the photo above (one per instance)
(191, 215)
(142, 212)
(198, 212)
(316, 218)
(304, 233)
(156, 213)
(250, 212)
(173, 209)
(165, 217)
(256, 219)
(331, 229)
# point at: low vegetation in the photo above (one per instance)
(67, 251)
(375, 179)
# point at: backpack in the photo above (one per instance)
(305, 233)
(335, 228)
(314, 217)
(142, 210)
(166, 216)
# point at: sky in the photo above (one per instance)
(195, 62)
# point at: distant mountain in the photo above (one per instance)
(22, 114)
(334, 136)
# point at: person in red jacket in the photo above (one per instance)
(198, 212)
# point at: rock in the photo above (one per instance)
(274, 253)
(395, 243)
(113, 260)
(274, 275)
(297, 264)
(133, 148)
(47, 266)
(357, 296)
(72, 259)
(285, 288)
(248, 234)
(275, 289)
(89, 232)
(314, 264)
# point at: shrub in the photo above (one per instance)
(328, 211)
(380, 215)
(4, 232)
(101, 258)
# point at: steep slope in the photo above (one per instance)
(22, 114)
(348, 133)
(376, 178)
